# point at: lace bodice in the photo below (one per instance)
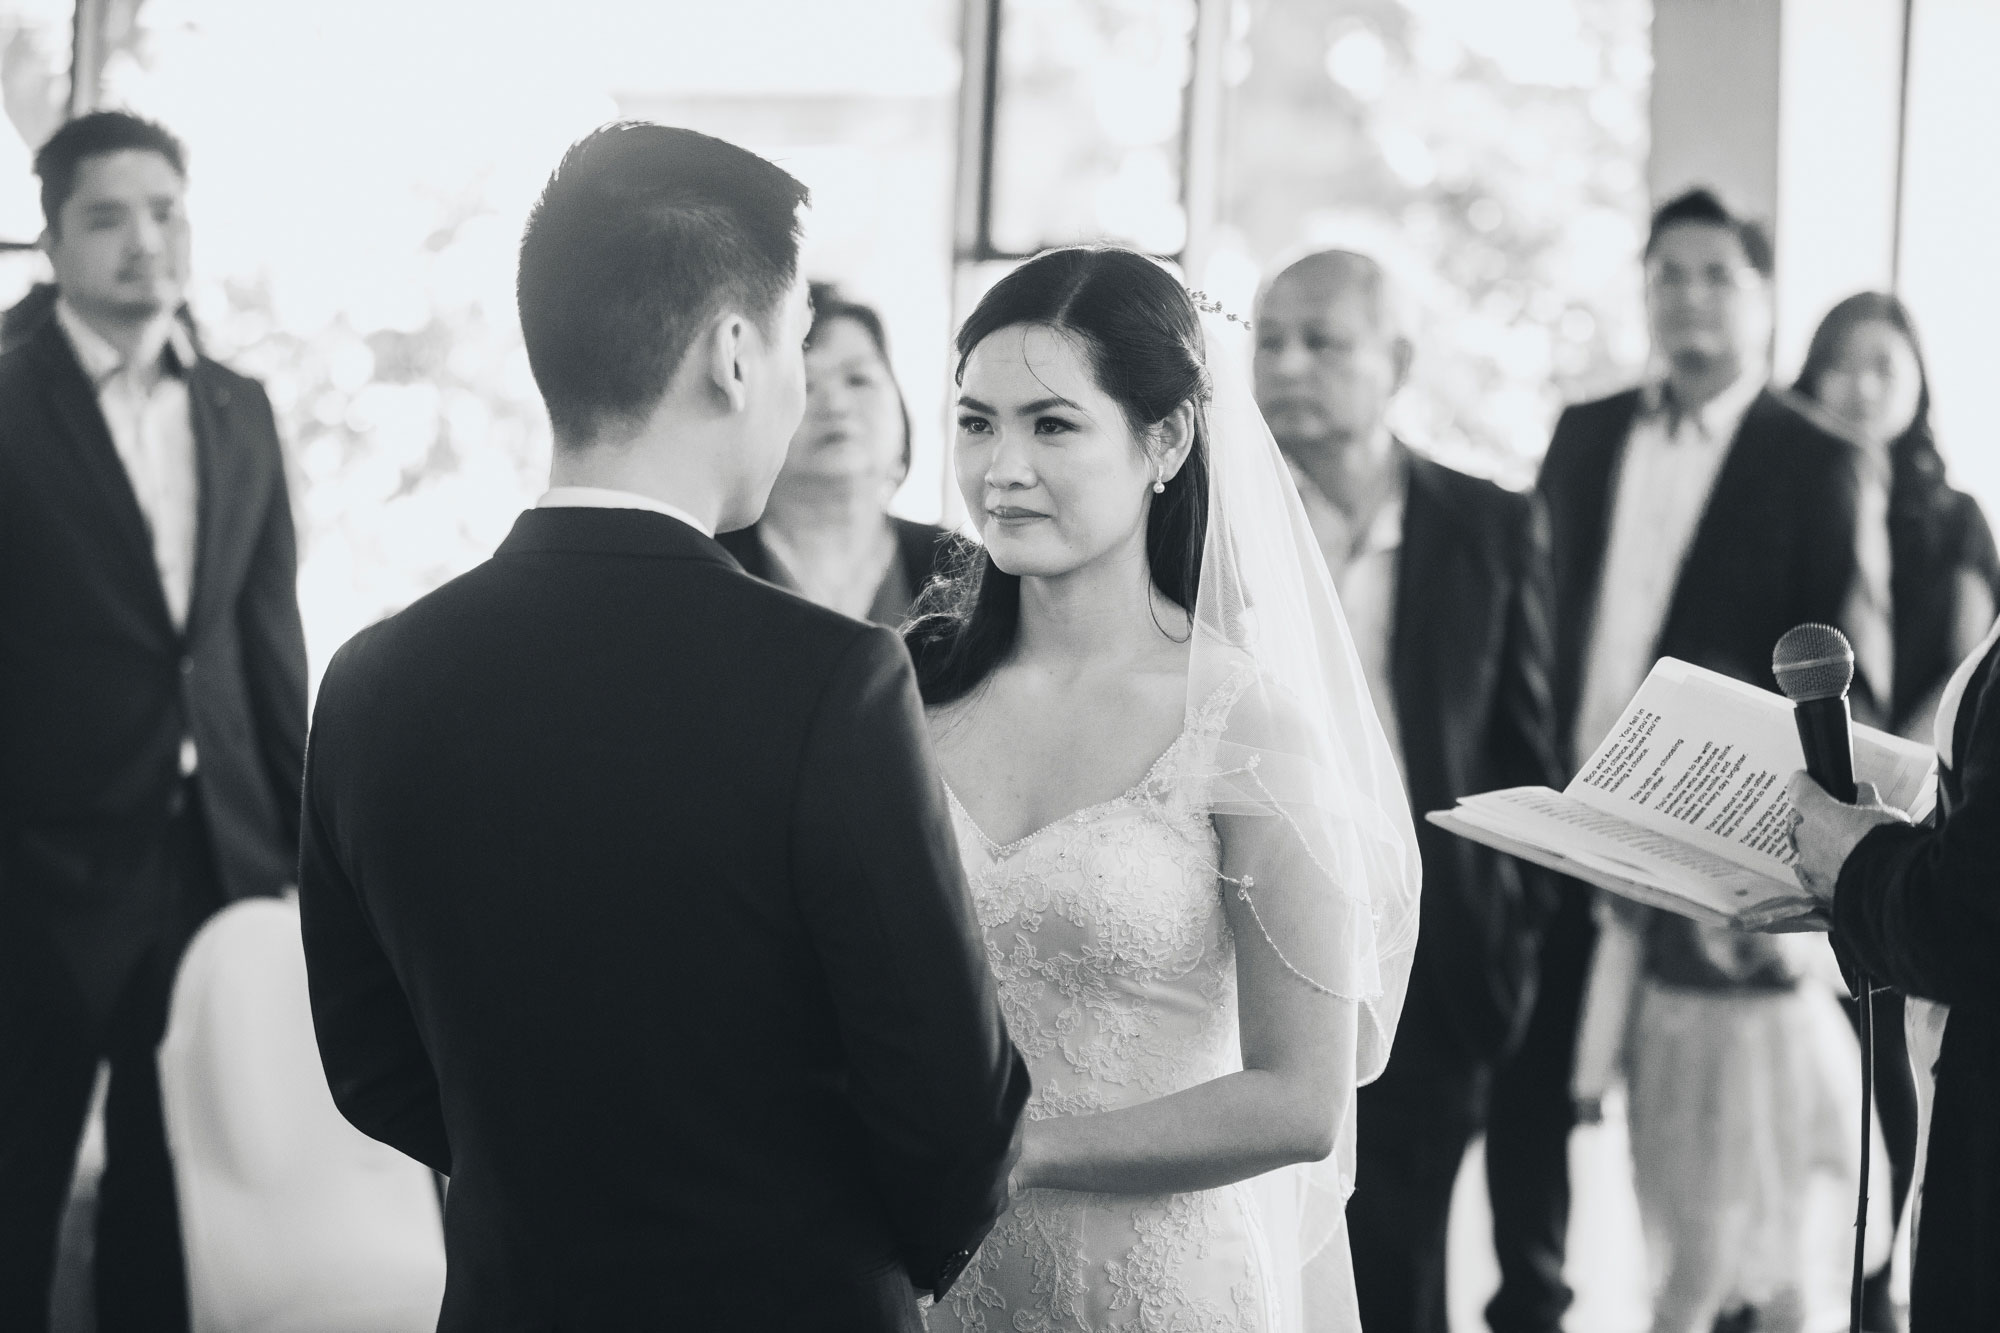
(1106, 934)
(1116, 971)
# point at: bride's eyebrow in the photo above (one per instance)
(1026, 410)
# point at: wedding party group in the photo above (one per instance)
(759, 911)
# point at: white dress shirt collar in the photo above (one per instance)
(1715, 421)
(101, 360)
(604, 497)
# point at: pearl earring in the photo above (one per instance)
(1159, 483)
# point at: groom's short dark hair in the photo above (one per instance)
(643, 234)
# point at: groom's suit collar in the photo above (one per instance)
(637, 532)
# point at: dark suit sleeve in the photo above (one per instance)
(274, 645)
(1524, 715)
(932, 1074)
(1919, 908)
(376, 1066)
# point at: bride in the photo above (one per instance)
(1187, 843)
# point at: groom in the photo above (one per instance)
(629, 896)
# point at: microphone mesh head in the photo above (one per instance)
(1813, 662)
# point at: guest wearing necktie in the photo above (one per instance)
(152, 703)
(1444, 579)
(1700, 517)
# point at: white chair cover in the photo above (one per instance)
(293, 1220)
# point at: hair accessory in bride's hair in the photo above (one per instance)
(1208, 305)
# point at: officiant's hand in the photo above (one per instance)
(1825, 831)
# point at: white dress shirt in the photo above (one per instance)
(604, 497)
(145, 407)
(1363, 566)
(1869, 616)
(1670, 464)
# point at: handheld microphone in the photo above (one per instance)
(1815, 665)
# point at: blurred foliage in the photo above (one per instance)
(1492, 157)
(1087, 140)
(416, 435)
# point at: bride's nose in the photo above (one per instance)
(1007, 469)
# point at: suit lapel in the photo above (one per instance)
(1441, 656)
(1590, 497)
(1728, 515)
(74, 403)
(1413, 652)
(222, 498)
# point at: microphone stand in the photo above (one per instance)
(1814, 665)
(1866, 1000)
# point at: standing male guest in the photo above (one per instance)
(1698, 517)
(1445, 582)
(152, 702)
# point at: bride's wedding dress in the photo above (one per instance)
(1117, 976)
(1116, 961)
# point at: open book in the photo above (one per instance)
(1683, 807)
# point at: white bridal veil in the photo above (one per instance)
(1317, 833)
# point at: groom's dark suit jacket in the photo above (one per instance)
(631, 904)
(98, 686)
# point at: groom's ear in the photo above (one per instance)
(723, 350)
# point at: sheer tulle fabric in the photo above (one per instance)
(1317, 836)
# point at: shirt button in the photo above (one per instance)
(187, 666)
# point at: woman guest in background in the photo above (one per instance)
(827, 532)
(1918, 908)
(1866, 368)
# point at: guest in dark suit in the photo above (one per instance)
(1699, 517)
(1936, 568)
(1914, 907)
(827, 532)
(1444, 579)
(152, 702)
(629, 894)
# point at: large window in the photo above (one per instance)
(360, 175)
(1950, 267)
(1087, 136)
(1491, 156)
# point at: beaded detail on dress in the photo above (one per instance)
(1116, 973)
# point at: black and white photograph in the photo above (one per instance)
(999, 666)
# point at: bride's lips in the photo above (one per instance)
(1013, 516)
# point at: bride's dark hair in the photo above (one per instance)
(1140, 330)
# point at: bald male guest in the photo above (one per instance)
(1445, 580)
